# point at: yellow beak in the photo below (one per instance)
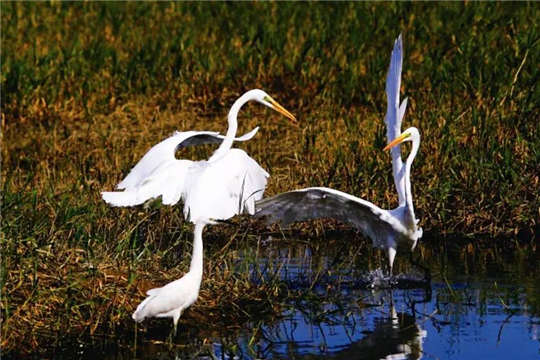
(397, 141)
(282, 110)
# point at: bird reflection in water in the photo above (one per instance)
(341, 332)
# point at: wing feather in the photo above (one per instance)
(315, 203)
(167, 181)
(394, 114)
(165, 150)
(159, 173)
(224, 188)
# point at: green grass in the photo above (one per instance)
(87, 88)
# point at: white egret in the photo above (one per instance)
(159, 173)
(227, 184)
(172, 299)
(386, 228)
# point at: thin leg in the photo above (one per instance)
(176, 316)
(427, 272)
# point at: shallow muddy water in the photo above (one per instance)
(473, 309)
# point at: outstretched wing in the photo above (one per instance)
(219, 190)
(164, 152)
(319, 202)
(159, 173)
(394, 115)
(167, 181)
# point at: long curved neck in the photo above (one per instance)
(196, 266)
(408, 164)
(397, 169)
(233, 126)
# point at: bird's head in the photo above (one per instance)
(408, 135)
(265, 99)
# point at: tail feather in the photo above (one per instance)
(122, 198)
(140, 313)
(153, 291)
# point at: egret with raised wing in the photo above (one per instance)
(225, 185)
(159, 173)
(386, 228)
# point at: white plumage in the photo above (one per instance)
(227, 184)
(172, 299)
(222, 189)
(386, 228)
(159, 173)
(394, 115)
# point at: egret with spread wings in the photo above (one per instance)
(386, 228)
(159, 173)
(226, 184)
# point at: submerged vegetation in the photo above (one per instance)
(87, 88)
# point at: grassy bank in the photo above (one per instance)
(88, 88)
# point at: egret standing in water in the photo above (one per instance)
(225, 185)
(386, 228)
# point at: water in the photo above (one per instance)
(475, 308)
(405, 325)
(474, 316)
